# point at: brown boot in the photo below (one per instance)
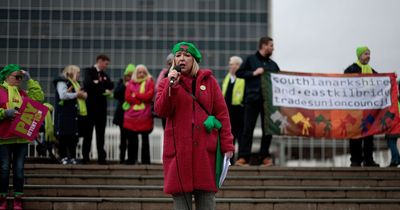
(267, 162)
(3, 202)
(17, 204)
(241, 162)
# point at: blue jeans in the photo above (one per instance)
(392, 144)
(16, 153)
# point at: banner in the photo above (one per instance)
(27, 124)
(338, 106)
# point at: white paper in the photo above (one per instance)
(227, 163)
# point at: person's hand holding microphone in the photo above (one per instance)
(174, 75)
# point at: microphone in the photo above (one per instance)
(172, 80)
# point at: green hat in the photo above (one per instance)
(7, 70)
(130, 68)
(187, 47)
(361, 50)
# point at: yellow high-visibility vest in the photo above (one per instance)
(238, 89)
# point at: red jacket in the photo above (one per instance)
(139, 120)
(195, 148)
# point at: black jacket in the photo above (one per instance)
(253, 83)
(119, 95)
(66, 113)
(95, 84)
(355, 69)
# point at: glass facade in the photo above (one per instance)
(46, 35)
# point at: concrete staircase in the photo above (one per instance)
(140, 187)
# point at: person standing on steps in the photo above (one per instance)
(119, 95)
(361, 149)
(233, 91)
(13, 149)
(251, 70)
(187, 99)
(138, 117)
(70, 113)
(98, 86)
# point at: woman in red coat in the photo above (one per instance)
(138, 118)
(189, 150)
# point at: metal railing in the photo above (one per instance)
(111, 144)
(299, 151)
(286, 150)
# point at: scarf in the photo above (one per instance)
(365, 69)
(142, 88)
(81, 103)
(14, 98)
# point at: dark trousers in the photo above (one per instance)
(67, 146)
(251, 112)
(236, 114)
(133, 145)
(15, 153)
(362, 149)
(394, 151)
(123, 143)
(99, 123)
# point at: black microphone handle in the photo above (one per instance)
(172, 80)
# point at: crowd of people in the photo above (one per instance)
(184, 96)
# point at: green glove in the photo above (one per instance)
(211, 122)
(126, 106)
(108, 95)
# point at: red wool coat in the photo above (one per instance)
(186, 141)
(139, 120)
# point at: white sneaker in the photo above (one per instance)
(64, 161)
(72, 161)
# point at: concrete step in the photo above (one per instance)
(153, 191)
(232, 180)
(94, 179)
(51, 186)
(233, 170)
(114, 169)
(106, 203)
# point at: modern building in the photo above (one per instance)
(46, 35)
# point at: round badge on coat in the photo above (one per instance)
(202, 87)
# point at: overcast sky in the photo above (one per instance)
(322, 35)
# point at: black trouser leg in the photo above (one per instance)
(236, 114)
(368, 149)
(356, 150)
(122, 146)
(265, 139)
(132, 147)
(100, 132)
(145, 148)
(251, 112)
(73, 141)
(265, 144)
(62, 146)
(87, 139)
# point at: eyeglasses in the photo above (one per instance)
(18, 77)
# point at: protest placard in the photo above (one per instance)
(27, 124)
